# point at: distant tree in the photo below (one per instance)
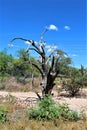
(65, 68)
(5, 63)
(21, 66)
(82, 70)
(83, 76)
(49, 62)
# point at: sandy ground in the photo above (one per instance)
(74, 103)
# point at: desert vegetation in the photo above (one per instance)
(45, 115)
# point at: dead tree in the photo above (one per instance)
(49, 65)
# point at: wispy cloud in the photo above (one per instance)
(66, 27)
(52, 27)
(50, 48)
(11, 45)
(74, 55)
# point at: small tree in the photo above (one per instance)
(50, 60)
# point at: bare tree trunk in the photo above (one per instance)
(47, 84)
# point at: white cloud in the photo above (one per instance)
(67, 27)
(27, 42)
(52, 27)
(74, 55)
(51, 46)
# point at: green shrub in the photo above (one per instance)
(47, 110)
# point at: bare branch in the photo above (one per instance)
(24, 39)
(37, 50)
(36, 66)
(43, 50)
(33, 44)
(41, 38)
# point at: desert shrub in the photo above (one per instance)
(47, 110)
(73, 86)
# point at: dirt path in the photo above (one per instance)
(74, 103)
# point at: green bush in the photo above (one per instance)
(47, 110)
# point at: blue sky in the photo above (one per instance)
(28, 18)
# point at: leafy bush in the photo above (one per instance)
(47, 110)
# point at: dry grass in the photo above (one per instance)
(39, 125)
(12, 84)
